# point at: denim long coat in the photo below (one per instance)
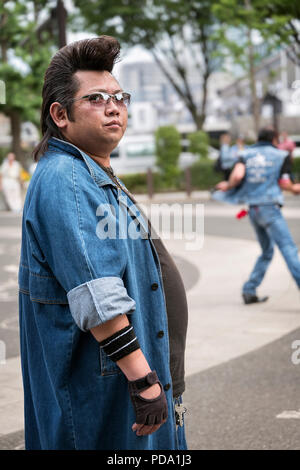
(73, 277)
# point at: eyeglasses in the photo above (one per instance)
(102, 98)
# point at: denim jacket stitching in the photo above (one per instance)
(39, 275)
(79, 219)
(104, 362)
(49, 301)
(44, 301)
(99, 180)
(24, 291)
(67, 390)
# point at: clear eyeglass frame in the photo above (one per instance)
(103, 98)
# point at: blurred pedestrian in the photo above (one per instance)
(103, 313)
(226, 161)
(11, 182)
(237, 149)
(285, 143)
(257, 180)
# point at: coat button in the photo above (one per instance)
(154, 286)
(160, 334)
(167, 387)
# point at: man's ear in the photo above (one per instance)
(59, 115)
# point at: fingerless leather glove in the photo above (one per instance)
(148, 411)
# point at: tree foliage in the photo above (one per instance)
(280, 20)
(240, 23)
(179, 34)
(24, 58)
(168, 148)
(199, 142)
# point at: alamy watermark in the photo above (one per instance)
(2, 353)
(295, 358)
(173, 221)
(2, 92)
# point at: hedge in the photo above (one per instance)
(296, 168)
(203, 177)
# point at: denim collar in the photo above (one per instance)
(263, 144)
(97, 173)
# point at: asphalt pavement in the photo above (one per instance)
(241, 384)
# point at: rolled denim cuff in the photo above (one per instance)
(97, 301)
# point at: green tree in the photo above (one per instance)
(240, 22)
(24, 58)
(199, 142)
(280, 19)
(276, 22)
(178, 34)
(168, 148)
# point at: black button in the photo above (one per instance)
(160, 334)
(167, 387)
(154, 286)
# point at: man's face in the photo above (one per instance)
(226, 139)
(96, 128)
(11, 157)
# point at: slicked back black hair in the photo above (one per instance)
(61, 85)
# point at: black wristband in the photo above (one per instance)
(120, 344)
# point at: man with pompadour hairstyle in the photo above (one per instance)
(103, 311)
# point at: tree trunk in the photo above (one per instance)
(61, 13)
(254, 98)
(15, 126)
(3, 52)
(15, 121)
(3, 43)
(198, 118)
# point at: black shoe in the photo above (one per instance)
(253, 299)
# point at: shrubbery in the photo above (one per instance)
(168, 148)
(203, 177)
(296, 168)
(199, 142)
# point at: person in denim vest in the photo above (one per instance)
(257, 180)
(226, 159)
(94, 330)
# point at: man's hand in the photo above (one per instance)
(144, 429)
(287, 185)
(134, 366)
(223, 186)
(296, 188)
(149, 403)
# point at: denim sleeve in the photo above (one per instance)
(67, 219)
(97, 301)
(226, 157)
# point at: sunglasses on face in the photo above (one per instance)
(103, 98)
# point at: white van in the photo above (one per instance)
(136, 153)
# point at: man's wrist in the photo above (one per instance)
(134, 366)
(296, 188)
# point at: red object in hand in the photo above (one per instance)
(241, 214)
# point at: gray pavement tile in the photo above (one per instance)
(12, 441)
